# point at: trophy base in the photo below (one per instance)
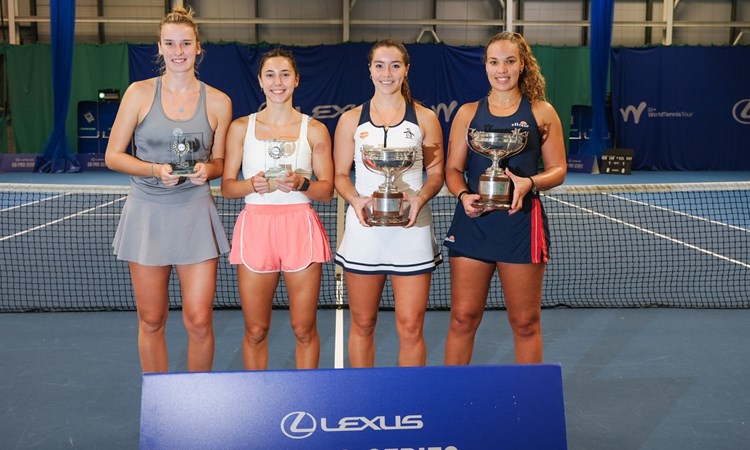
(386, 210)
(494, 191)
(182, 168)
(491, 204)
(280, 171)
(385, 221)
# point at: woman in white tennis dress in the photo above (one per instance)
(407, 254)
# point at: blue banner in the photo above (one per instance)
(428, 408)
(335, 78)
(602, 14)
(683, 108)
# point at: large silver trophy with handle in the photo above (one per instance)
(494, 185)
(388, 201)
(276, 150)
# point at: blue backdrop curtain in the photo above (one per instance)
(57, 157)
(602, 12)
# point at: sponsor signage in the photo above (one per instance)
(91, 161)
(583, 163)
(427, 408)
(17, 162)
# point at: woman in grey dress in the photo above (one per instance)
(171, 219)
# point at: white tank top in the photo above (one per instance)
(256, 158)
(406, 134)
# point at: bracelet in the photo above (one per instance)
(152, 169)
(534, 187)
(462, 193)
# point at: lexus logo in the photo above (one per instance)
(741, 111)
(298, 425)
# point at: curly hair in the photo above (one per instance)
(530, 81)
(405, 90)
(179, 16)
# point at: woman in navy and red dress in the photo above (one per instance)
(513, 243)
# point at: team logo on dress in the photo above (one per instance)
(450, 238)
(408, 133)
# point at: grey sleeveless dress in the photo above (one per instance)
(161, 225)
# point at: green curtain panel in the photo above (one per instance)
(566, 71)
(95, 67)
(30, 87)
(28, 72)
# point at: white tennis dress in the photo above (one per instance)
(387, 249)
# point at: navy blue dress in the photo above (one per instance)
(496, 236)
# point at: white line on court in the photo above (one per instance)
(679, 213)
(651, 232)
(79, 213)
(32, 203)
(338, 341)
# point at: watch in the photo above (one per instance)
(305, 185)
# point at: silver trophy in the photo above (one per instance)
(278, 149)
(494, 185)
(186, 152)
(388, 201)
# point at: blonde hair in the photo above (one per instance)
(530, 81)
(179, 16)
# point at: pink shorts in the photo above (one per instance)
(279, 238)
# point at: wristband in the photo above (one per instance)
(461, 194)
(305, 185)
(534, 188)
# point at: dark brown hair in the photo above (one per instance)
(278, 52)
(405, 90)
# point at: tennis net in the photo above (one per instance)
(676, 245)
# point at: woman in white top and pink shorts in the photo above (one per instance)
(278, 231)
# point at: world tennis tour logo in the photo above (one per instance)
(741, 111)
(632, 110)
(651, 113)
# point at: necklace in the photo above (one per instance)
(507, 103)
(387, 124)
(177, 96)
